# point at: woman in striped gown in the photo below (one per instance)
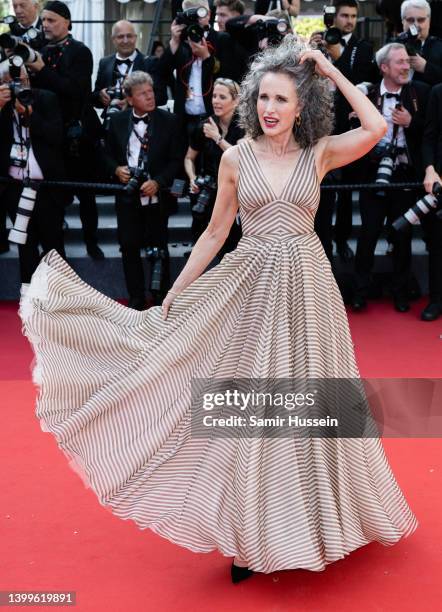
(115, 384)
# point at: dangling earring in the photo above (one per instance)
(298, 122)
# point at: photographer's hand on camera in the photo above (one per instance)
(149, 188)
(431, 177)
(105, 97)
(194, 187)
(401, 117)
(5, 95)
(199, 49)
(418, 63)
(123, 174)
(175, 31)
(334, 51)
(37, 65)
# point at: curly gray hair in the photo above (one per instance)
(314, 95)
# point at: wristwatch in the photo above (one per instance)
(218, 140)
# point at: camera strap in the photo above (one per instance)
(20, 150)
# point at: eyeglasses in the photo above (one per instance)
(411, 20)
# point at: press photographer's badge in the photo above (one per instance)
(145, 200)
(19, 155)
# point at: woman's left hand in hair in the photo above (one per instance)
(211, 129)
(322, 65)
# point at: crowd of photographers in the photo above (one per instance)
(55, 126)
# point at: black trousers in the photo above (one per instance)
(324, 215)
(45, 226)
(138, 226)
(344, 203)
(374, 211)
(432, 226)
(82, 169)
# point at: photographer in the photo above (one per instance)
(30, 148)
(354, 58)
(27, 14)
(432, 223)
(292, 7)
(425, 51)
(226, 9)
(144, 151)
(254, 33)
(218, 133)
(396, 158)
(113, 69)
(65, 67)
(199, 54)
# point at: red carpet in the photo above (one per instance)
(56, 536)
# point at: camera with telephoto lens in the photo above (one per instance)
(19, 91)
(16, 44)
(34, 37)
(208, 186)
(386, 155)
(190, 19)
(115, 94)
(272, 29)
(332, 34)
(137, 177)
(422, 207)
(409, 39)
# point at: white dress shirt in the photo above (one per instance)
(195, 104)
(32, 168)
(387, 110)
(134, 147)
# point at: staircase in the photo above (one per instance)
(107, 275)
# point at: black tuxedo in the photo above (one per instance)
(432, 142)
(411, 94)
(139, 224)
(107, 72)
(46, 136)
(374, 208)
(356, 63)
(221, 63)
(432, 225)
(68, 73)
(432, 52)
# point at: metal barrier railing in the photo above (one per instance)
(114, 187)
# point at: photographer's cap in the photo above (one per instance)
(56, 6)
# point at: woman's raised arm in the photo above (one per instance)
(335, 151)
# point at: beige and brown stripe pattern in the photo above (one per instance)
(115, 392)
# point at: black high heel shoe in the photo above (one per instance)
(240, 573)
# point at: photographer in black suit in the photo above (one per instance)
(425, 52)
(65, 67)
(113, 69)
(142, 141)
(31, 147)
(432, 223)
(403, 105)
(197, 65)
(354, 58)
(27, 13)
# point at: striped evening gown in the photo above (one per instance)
(114, 389)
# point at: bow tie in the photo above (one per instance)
(138, 119)
(124, 61)
(392, 95)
